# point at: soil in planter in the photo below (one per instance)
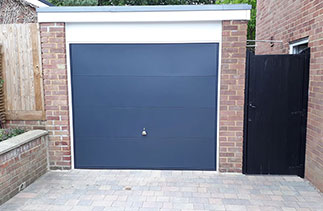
(9, 133)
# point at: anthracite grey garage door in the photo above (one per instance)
(168, 89)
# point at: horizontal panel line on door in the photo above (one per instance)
(140, 107)
(139, 137)
(152, 76)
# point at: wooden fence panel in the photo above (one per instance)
(23, 86)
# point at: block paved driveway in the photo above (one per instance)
(164, 190)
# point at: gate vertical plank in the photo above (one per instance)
(307, 56)
(36, 67)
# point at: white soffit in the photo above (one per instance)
(144, 13)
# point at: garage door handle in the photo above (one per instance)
(144, 132)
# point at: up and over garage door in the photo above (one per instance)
(145, 106)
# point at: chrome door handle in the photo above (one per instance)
(144, 132)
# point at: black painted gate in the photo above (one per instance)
(276, 113)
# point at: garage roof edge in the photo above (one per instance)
(168, 8)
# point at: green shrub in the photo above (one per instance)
(8, 133)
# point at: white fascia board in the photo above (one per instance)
(161, 32)
(163, 16)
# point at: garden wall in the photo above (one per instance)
(23, 159)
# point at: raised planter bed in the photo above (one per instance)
(23, 159)
(10, 133)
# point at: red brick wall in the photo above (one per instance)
(56, 94)
(23, 164)
(291, 20)
(234, 36)
(26, 124)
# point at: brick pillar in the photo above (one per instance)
(234, 36)
(56, 94)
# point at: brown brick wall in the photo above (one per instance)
(22, 164)
(56, 94)
(291, 20)
(234, 36)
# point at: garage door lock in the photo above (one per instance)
(144, 132)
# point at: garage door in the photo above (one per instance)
(145, 106)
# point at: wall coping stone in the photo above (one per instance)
(17, 141)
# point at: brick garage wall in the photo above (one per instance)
(26, 124)
(231, 105)
(291, 20)
(25, 163)
(234, 37)
(56, 94)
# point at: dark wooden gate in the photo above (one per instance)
(276, 113)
